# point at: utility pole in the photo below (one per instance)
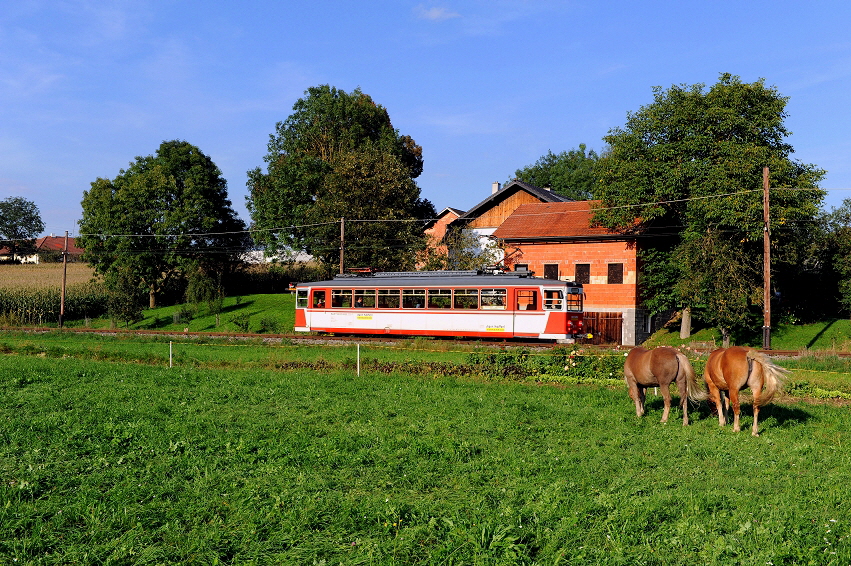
(64, 278)
(342, 241)
(766, 265)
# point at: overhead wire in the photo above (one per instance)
(250, 231)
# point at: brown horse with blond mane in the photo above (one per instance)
(659, 368)
(732, 369)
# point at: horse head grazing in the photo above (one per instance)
(659, 368)
(729, 370)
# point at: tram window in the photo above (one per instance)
(574, 299)
(319, 299)
(388, 298)
(466, 298)
(527, 300)
(301, 299)
(341, 298)
(440, 298)
(553, 300)
(365, 299)
(413, 298)
(493, 299)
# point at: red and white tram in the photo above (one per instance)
(442, 303)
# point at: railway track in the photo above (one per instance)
(351, 338)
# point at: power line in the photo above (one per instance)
(426, 220)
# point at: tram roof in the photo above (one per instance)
(436, 279)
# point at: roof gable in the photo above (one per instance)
(508, 190)
(446, 212)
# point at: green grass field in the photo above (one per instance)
(121, 463)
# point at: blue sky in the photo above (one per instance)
(485, 87)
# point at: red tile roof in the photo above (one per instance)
(553, 220)
(57, 244)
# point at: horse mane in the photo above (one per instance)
(775, 376)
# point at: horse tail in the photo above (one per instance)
(695, 392)
(774, 376)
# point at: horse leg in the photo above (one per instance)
(716, 396)
(666, 395)
(734, 401)
(642, 399)
(635, 395)
(682, 387)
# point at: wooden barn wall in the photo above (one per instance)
(502, 209)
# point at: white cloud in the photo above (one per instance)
(435, 13)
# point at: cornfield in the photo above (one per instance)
(30, 294)
(43, 275)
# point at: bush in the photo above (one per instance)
(570, 364)
(241, 321)
(269, 325)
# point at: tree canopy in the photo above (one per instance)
(690, 164)
(569, 173)
(20, 224)
(165, 216)
(338, 156)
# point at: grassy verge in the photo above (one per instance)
(115, 463)
(818, 376)
(265, 313)
(831, 335)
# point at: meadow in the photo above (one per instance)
(263, 451)
(128, 463)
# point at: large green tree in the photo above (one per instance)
(20, 224)
(840, 244)
(338, 156)
(687, 169)
(165, 217)
(570, 173)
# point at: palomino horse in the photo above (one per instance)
(732, 369)
(659, 368)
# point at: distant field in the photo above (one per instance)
(43, 275)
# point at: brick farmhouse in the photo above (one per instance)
(553, 236)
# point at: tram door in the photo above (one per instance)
(526, 312)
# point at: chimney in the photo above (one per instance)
(494, 187)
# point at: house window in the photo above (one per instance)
(583, 273)
(550, 271)
(615, 274)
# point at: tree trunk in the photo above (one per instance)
(685, 324)
(152, 299)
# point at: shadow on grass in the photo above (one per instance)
(241, 305)
(821, 333)
(785, 416)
